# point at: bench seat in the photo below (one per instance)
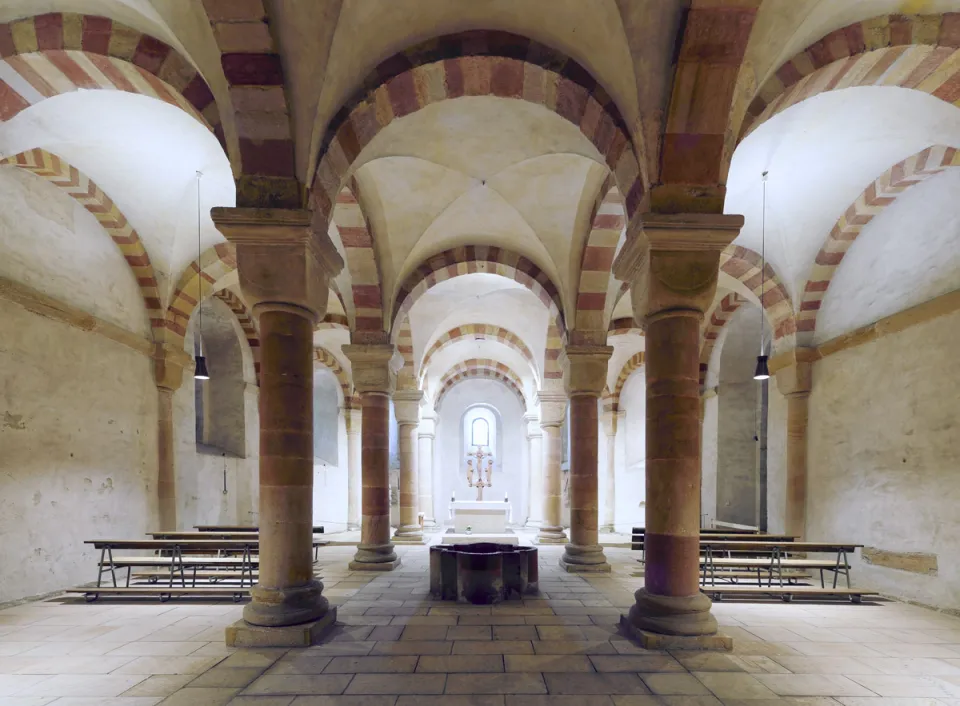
(164, 593)
(786, 593)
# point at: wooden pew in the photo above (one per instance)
(637, 540)
(318, 529)
(232, 535)
(774, 557)
(786, 593)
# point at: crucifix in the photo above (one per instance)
(480, 484)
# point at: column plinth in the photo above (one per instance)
(552, 410)
(374, 375)
(673, 273)
(284, 268)
(584, 374)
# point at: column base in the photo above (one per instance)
(243, 634)
(408, 534)
(656, 641)
(683, 616)
(375, 557)
(280, 607)
(577, 559)
(551, 535)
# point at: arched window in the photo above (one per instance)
(480, 432)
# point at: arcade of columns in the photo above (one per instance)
(285, 269)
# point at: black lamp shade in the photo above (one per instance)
(200, 369)
(763, 372)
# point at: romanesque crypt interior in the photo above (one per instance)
(353, 351)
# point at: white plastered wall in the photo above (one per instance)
(631, 479)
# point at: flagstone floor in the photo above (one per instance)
(395, 646)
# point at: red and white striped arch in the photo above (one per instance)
(623, 327)
(881, 192)
(480, 368)
(330, 362)
(744, 265)
(366, 305)
(197, 281)
(247, 324)
(406, 377)
(717, 319)
(599, 250)
(635, 362)
(479, 331)
(909, 51)
(61, 52)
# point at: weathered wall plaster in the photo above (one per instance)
(776, 461)
(78, 421)
(883, 456)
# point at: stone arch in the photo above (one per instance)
(497, 333)
(743, 265)
(881, 192)
(596, 262)
(471, 259)
(406, 377)
(480, 368)
(85, 191)
(330, 362)
(623, 326)
(61, 52)
(198, 280)
(719, 317)
(334, 321)
(250, 58)
(475, 63)
(362, 263)
(633, 363)
(910, 51)
(247, 324)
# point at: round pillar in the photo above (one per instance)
(353, 422)
(551, 531)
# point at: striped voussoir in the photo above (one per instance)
(743, 265)
(330, 362)
(875, 198)
(480, 368)
(634, 363)
(366, 304)
(909, 51)
(472, 259)
(716, 320)
(476, 63)
(334, 321)
(251, 64)
(81, 188)
(406, 377)
(487, 332)
(61, 52)
(247, 324)
(596, 279)
(198, 281)
(623, 326)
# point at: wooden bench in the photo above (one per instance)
(786, 593)
(637, 539)
(775, 556)
(318, 529)
(92, 593)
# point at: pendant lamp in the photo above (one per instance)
(200, 363)
(762, 371)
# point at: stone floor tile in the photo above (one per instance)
(758, 648)
(556, 700)
(260, 657)
(895, 649)
(670, 700)
(636, 663)
(200, 696)
(492, 620)
(573, 647)
(11, 684)
(336, 648)
(834, 649)
(758, 665)
(560, 632)
(706, 662)
(493, 647)
(80, 685)
(391, 664)
(362, 700)
(424, 632)
(102, 701)
(238, 677)
(450, 609)
(301, 663)
(554, 620)
(412, 647)
(674, 684)
(167, 665)
(448, 620)
(731, 685)
(64, 665)
(519, 683)
(397, 684)
(159, 685)
(352, 633)
(386, 632)
(515, 632)
(899, 685)
(272, 684)
(592, 683)
(470, 632)
(547, 663)
(812, 685)
(261, 701)
(465, 663)
(451, 700)
(156, 649)
(912, 665)
(890, 701)
(825, 665)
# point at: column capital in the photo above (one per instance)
(352, 417)
(533, 425)
(673, 264)
(169, 363)
(282, 260)
(609, 420)
(585, 369)
(794, 371)
(373, 367)
(406, 405)
(553, 408)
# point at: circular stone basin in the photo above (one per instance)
(482, 573)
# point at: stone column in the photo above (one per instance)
(374, 369)
(608, 423)
(584, 377)
(168, 367)
(352, 414)
(794, 382)
(535, 458)
(552, 411)
(673, 274)
(426, 436)
(285, 267)
(406, 405)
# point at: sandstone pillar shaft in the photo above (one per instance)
(169, 365)
(794, 382)
(353, 416)
(673, 273)
(584, 376)
(552, 411)
(406, 404)
(284, 267)
(426, 436)
(535, 467)
(374, 376)
(609, 425)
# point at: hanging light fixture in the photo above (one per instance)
(763, 371)
(200, 363)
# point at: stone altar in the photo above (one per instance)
(482, 516)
